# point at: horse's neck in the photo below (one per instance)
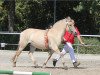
(59, 29)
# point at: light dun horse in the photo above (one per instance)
(36, 38)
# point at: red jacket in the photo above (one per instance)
(69, 37)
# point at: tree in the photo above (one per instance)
(9, 5)
(40, 13)
(33, 14)
(90, 13)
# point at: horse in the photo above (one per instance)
(43, 39)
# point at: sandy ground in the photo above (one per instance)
(90, 64)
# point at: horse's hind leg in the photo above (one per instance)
(18, 52)
(32, 49)
(16, 56)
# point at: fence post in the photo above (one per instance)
(3, 46)
(77, 51)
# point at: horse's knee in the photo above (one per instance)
(57, 51)
(18, 53)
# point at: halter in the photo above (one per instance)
(68, 25)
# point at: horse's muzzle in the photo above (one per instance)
(75, 33)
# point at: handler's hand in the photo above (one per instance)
(82, 44)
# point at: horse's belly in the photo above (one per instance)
(38, 42)
(39, 45)
(38, 39)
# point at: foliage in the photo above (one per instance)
(40, 14)
(35, 14)
(90, 19)
(3, 18)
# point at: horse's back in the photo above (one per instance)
(30, 31)
(33, 36)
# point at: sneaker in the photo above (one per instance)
(76, 64)
(54, 62)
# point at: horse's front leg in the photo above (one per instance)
(56, 49)
(50, 54)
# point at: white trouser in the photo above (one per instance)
(67, 47)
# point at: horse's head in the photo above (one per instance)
(70, 25)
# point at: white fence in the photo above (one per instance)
(3, 44)
(94, 43)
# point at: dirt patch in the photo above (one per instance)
(90, 64)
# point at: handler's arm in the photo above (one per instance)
(79, 38)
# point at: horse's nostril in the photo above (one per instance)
(75, 33)
(71, 31)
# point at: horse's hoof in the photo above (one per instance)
(65, 67)
(14, 64)
(44, 65)
(36, 66)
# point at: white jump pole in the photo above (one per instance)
(23, 73)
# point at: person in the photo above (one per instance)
(69, 40)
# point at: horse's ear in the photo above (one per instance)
(68, 17)
(65, 19)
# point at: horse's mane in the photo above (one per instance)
(58, 24)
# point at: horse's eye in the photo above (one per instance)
(70, 25)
